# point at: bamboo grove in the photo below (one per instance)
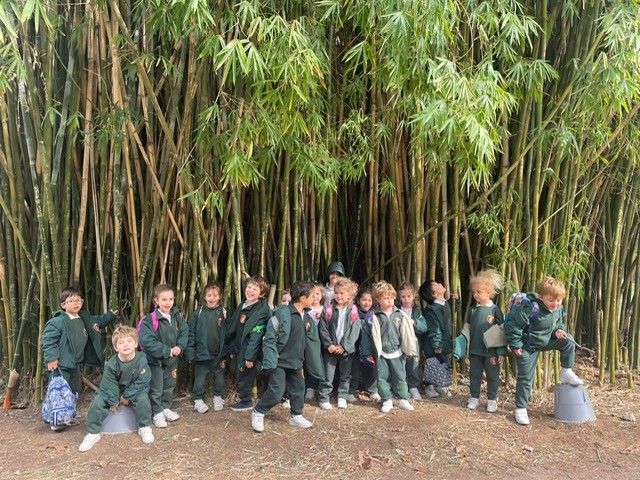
(185, 141)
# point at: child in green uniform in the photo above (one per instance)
(407, 296)
(243, 339)
(484, 315)
(529, 334)
(438, 341)
(339, 331)
(206, 339)
(163, 341)
(364, 371)
(72, 337)
(285, 345)
(315, 312)
(393, 340)
(125, 382)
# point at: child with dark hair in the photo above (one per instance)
(363, 371)
(315, 312)
(163, 342)
(285, 350)
(206, 339)
(243, 339)
(72, 338)
(439, 341)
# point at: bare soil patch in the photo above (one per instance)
(440, 439)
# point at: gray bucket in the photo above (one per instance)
(122, 420)
(572, 404)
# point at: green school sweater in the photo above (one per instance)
(126, 379)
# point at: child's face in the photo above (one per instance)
(552, 302)
(365, 301)
(407, 298)
(333, 278)
(212, 297)
(438, 290)
(342, 298)
(307, 301)
(126, 347)
(73, 304)
(252, 292)
(165, 301)
(481, 294)
(286, 298)
(386, 302)
(317, 296)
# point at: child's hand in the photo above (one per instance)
(51, 366)
(124, 401)
(331, 349)
(494, 360)
(561, 334)
(115, 312)
(248, 364)
(437, 350)
(175, 351)
(369, 359)
(517, 352)
(339, 350)
(114, 408)
(455, 296)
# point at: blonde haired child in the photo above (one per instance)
(125, 382)
(163, 341)
(392, 340)
(484, 315)
(339, 331)
(315, 312)
(534, 326)
(408, 304)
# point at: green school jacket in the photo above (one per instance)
(482, 319)
(438, 319)
(158, 344)
(542, 327)
(246, 342)
(56, 344)
(198, 344)
(292, 341)
(352, 327)
(126, 379)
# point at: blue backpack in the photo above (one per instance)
(516, 300)
(59, 404)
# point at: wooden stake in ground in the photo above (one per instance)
(13, 378)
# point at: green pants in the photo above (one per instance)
(282, 379)
(363, 375)
(163, 382)
(72, 376)
(478, 363)
(99, 411)
(392, 377)
(201, 371)
(331, 362)
(245, 378)
(528, 361)
(412, 367)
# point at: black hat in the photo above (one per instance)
(335, 267)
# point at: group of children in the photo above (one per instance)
(322, 339)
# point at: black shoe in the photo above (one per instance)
(242, 406)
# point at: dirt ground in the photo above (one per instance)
(440, 439)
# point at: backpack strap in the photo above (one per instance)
(328, 312)
(354, 314)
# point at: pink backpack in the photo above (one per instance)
(154, 323)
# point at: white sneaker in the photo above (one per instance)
(567, 375)
(351, 398)
(170, 415)
(218, 404)
(375, 397)
(492, 406)
(415, 394)
(443, 391)
(257, 421)
(200, 407)
(286, 403)
(405, 405)
(473, 403)
(89, 441)
(146, 434)
(310, 395)
(521, 415)
(325, 405)
(430, 392)
(387, 405)
(159, 420)
(342, 403)
(299, 421)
